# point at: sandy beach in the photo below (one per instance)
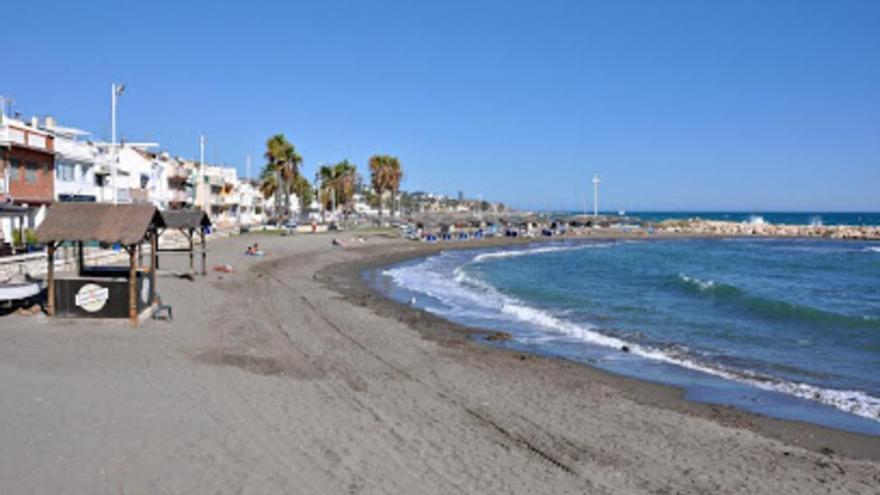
(289, 375)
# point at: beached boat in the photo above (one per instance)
(19, 291)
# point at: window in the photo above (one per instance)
(30, 172)
(65, 171)
(145, 180)
(14, 170)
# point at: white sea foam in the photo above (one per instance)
(756, 220)
(702, 284)
(467, 296)
(873, 249)
(532, 251)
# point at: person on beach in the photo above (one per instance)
(254, 250)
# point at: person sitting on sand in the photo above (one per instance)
(254, 250)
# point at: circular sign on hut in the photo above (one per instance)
(92, 297)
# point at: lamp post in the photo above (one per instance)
(596, 195)
(115, 91)
(200, 186)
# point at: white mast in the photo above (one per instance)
(115, 91)
(200, 186)
(596, 195)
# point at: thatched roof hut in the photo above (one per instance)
(99, 291)
(191, 218)
(189, 222)
(82, 222)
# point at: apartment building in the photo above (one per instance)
(27, 160)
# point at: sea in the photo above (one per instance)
(758, 217)
(788, 328)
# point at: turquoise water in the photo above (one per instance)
(787, 328)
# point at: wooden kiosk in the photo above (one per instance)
(189, 222)
(107, 292)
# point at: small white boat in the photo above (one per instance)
(19, 291)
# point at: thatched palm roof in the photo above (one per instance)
(191, 218)
(125, 224)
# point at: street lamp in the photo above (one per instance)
(115, 91)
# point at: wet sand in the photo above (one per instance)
(291, 376)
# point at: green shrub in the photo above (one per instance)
(30, 237)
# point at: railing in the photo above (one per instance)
(178, 172)
(132, 195)
(180, 197)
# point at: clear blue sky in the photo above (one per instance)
(744, 105)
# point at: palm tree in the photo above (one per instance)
(280, 172)
(395, 177)
(378, 178)
(303, 191)
(338, 180)
(386, 175)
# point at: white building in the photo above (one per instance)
(134, 175)
(180, 178)
(81, 168)
(250, 203)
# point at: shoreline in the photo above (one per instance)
(347, 279)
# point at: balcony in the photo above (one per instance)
(179, 197)
(178, 173)
(132, 195)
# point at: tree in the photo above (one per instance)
(338, 184)
(303, 191)
(395, 177)
(280, 172)
(378, 179)
(386, 175)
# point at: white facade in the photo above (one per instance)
(81, 171)
(134, 172)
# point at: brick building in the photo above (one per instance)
(27, 163)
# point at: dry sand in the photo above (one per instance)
(289, 376)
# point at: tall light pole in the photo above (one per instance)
(200, 186)
(596, 195)
(115, 91)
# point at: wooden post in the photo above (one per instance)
(79, 258)
(192, 263)
(204, 252)
(132, 285)
(50, 304)
(154, 263)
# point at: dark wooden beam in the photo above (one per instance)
(80, 257)
(192, 265)
(204, 252)
(154, 264)
(132, 285)
(50, 276)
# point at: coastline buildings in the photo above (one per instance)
(27, 168)
(42, 162)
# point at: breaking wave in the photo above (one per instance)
(512, 253)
